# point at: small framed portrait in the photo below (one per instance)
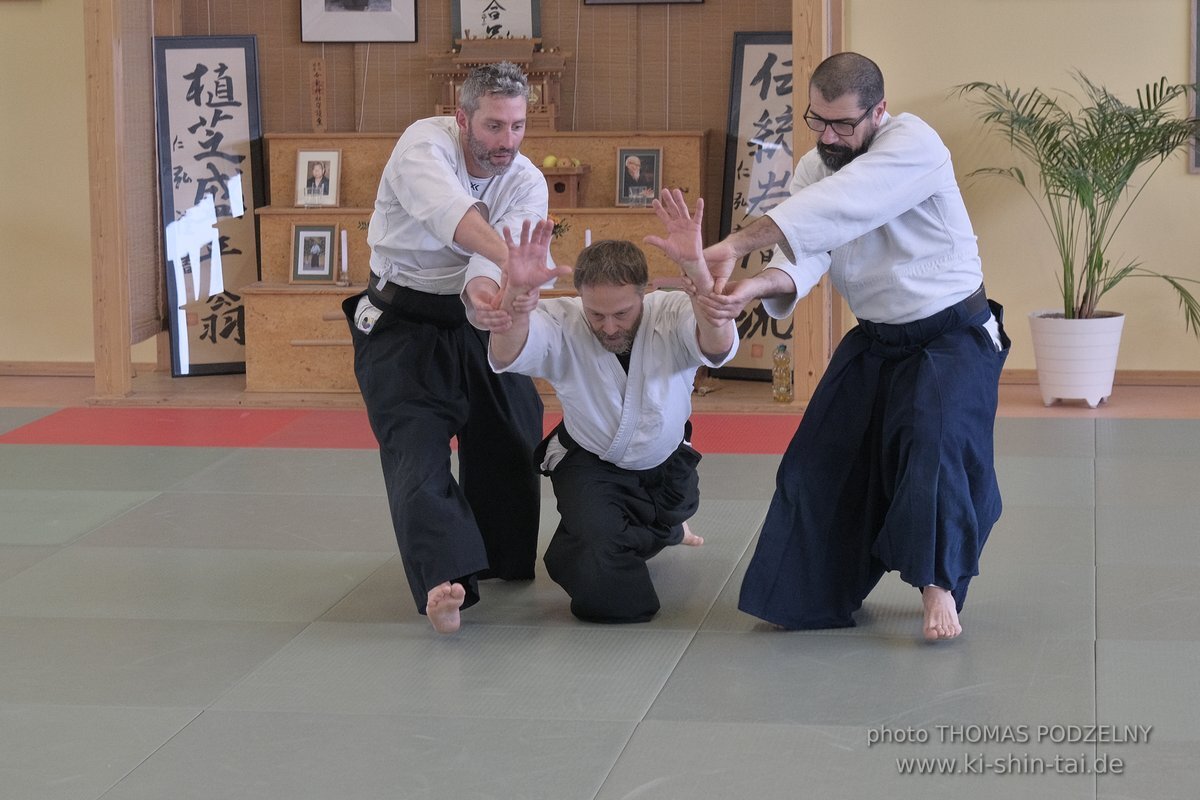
(317, 175)
(639, 175)
(312, 253)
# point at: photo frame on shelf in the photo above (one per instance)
(313, 251)
(358, 20)
(487, 19)
(639, 175)
(318, 177)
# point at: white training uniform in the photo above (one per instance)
(634, 421)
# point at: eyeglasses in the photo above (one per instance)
(840, 127)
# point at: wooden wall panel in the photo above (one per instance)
(658, 67)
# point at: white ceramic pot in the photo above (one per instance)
(1076, 358)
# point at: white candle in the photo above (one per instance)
(587, 237)
(345, 256)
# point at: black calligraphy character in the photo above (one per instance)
(221, 95)
(771, 192)
(228, 319)
(764, 77)
(756, 322)
(218, 186)
(179, 177)
(195, 91)
(209, 149)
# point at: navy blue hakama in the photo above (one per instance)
(891, 468)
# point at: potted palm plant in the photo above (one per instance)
(1094, 155)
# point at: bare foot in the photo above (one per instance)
(689, 538)
(941, 616)
(443, 605)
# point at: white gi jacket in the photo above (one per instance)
(424, 194)
(634, 421)
(890, 227)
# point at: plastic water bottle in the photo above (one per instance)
(781, 375)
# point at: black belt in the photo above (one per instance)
(443, 310)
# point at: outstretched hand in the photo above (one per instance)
(684, 242)
(525, 269)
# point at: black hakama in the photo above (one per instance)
(612, 521)
(424, 375)
(891, 468)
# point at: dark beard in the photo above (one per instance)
(837, 156)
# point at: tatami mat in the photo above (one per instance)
(198, 604)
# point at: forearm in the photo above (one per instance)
(477, 236)
(505, 346)
(768, 283)
(762, 234)
(715, 340)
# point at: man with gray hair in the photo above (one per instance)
(622, 362)
(450, 185)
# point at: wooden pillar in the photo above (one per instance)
(110, 269)
(816, 34)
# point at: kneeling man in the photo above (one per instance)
(622, 362)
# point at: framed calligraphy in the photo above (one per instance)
(358, 20)
(496, 19)
(758, 171)
(210, 183)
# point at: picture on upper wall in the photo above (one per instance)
(489, 19)
(358, 20)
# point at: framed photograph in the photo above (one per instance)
(634, 2)
(639, 175)
(317, 176)
(312, 253)
(358, 20)
(488, 19)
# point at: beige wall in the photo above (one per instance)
(924, 46)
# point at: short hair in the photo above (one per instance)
(503, 79)
(612, 262)
(844, 73)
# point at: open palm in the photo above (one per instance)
(684, 243)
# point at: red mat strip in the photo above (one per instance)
(283, 428)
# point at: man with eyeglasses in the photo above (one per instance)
(892, 466)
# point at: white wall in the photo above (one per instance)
(926, 47)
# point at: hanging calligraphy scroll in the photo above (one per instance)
(209, 167)
(758, 170)
(496, 19)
